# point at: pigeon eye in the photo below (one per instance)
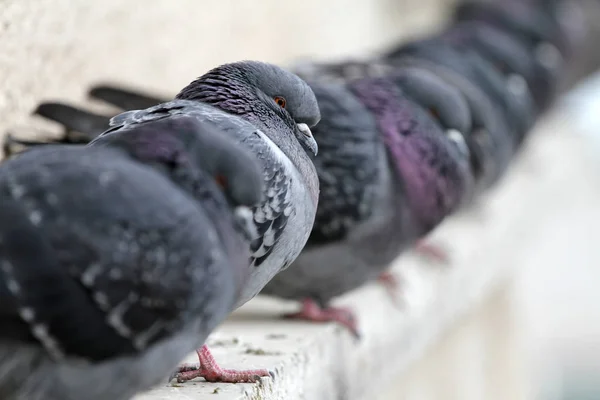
(435, 113)
(280, 101)
(221, 181)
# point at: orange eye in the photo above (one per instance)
(221, 181)
(434, 112)
(280, 101)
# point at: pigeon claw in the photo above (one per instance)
(391, 284)
(212, 372)
(432, 251)
(311, 311)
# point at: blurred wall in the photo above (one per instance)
(55, 48)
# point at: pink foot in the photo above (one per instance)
(212, 372)
(391, 284)
(311, 311)
(432, 251)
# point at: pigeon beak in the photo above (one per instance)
(306, 138)
(517, 85)
(459, 139)
(548, 55)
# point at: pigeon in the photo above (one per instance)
(270, 112)
(550, 30)
(118, 260)
(535, 22)
(388, 174)
(524, 76)
(537, 32)
(519, 113)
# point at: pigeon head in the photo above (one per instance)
(234, 168)
(524, 75)
(268, 96)
(444, 102)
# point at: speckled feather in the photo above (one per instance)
(271, 216)
(533, 24)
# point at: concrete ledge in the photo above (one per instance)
(322, 362)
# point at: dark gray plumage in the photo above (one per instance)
(525, 73)
(360, 218)
(80, 126)
(361, 205)
(117, 261)
(538, 25)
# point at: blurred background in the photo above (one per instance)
(537, 337)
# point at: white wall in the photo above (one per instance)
(54, 48)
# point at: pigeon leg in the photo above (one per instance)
(432, 251)
(212, 372)
(391, 284)
(311, 311)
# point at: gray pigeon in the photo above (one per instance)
(268, 111)
(388, 174)
(117, 261)
(444, 102)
